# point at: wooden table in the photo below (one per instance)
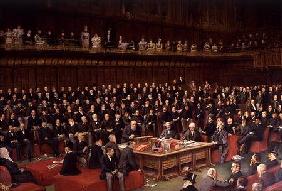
(194, 156)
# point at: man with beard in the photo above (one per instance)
(168, 133)
(129, 132)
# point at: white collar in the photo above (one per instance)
(186, 184)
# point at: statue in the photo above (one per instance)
(142, 45)
(96, 41)
(85, 38)
(159, 45)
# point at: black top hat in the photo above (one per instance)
(69, 144)
(191, 177)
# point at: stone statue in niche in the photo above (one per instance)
(159, 45)
(168, 46)
(96, 41)
(85, 37)
(207, 47)
(122, 45)
(142, 44)
(194, 48)
(179, 46)
(185, 46)
(151, 46)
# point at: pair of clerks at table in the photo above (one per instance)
(191, 134)
(110, 165)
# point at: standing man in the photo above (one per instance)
(110, 169)
(220, 138)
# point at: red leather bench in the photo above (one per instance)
(233, 149)
(5, 178)
(89, 180)
(275, 137)
(254, 178)
(259, 146)
(275, 187)
(42, 173)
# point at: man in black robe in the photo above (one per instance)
(70, 161)
(95, 155)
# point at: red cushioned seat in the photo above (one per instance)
(89, 180)
(259, 146)
(42, 173)
(232, 150)
(134, 180)
(275, 187)
(275, 137)
(45, 149)
(254, 178)
(28, 187)
(233, 147)
(215, 156)
(6, 179)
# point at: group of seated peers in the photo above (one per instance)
(86, 119)
(237, 181)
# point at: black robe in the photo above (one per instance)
(95, 157)
(69, 167)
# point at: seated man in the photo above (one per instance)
(113, 144)
(210, 182)
(192, 134)
(12, 141)
(70, 161)
(82, 148)
(241, 184)
(127, 160)
(235, 173)
(129, 132)
(110, 169)
(265, 178)
(18, 175)
(253, 132)
(255, 161)
(167, 133)
(272, 159)
(278, 175)
(46, 137)
(23, 138)
(95, 155)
